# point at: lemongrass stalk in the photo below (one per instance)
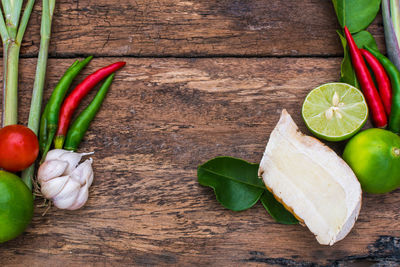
(10, 101)
(11, 57)
(37, 93)
(395, 14)
(392, 42)
(3, 29)
(12, 11)
(24, 21)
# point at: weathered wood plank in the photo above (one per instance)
(161, 119)
(192, 28)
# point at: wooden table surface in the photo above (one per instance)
(203, 78)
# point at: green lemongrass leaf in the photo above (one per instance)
(347, 73)
(11, 48)
(235, 182)
(392, 44)
(24, 21)
(395, 14)
(37, 92)
(276, 209)
(12, 12)
(356, 14)
(3, 29)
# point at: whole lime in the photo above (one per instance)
(374, 156)
(16, 206)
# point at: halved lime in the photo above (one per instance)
(335, 111)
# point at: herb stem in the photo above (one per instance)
(24, 21)
(10, 101)
(3, 29)
(395, 14)
(11, 46)
(12, 12)
(37, 93)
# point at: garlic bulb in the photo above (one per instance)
(65, 182)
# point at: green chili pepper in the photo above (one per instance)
(81, 124)
(42, 130)
(43, 120)
(394, 74)
(49, 120)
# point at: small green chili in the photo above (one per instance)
(42, 130)
(49, 120)
(394, 74)
(81, 124)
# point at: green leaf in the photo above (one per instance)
(237, 187)
(235, 182)
(347, 73)
(364, 39)
(356, 14)
(276, 209)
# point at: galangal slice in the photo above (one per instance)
(314, 183)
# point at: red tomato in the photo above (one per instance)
(19, 147)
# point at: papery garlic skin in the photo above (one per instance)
(63, 180)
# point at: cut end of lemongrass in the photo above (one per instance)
(314, 183)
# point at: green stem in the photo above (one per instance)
(24, 21)
(10, 102)
(3, 29)
(395, 14)
(12, 44)
(27, 176)
(5, 56)
(12, 11)
(37, 94)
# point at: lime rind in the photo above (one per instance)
(353, 112)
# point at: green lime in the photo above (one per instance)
(16, 206)
(374, 156)
(335, 111)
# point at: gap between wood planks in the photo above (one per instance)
(71, 56)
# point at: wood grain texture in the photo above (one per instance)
(192, 28)
(161, 119)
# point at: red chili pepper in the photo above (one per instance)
(75, 97)
(384, 86)
(374, 102)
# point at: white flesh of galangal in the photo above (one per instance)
(312, 180)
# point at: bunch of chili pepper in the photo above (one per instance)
(385, 104)
(58, 112)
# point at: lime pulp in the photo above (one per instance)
(335, 111)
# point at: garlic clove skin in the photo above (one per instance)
(54, 186)
(55, 154)
(83, 173)
(50, 169)
(90, 180)
(81, 199)
(66, 198)
(73, 159)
